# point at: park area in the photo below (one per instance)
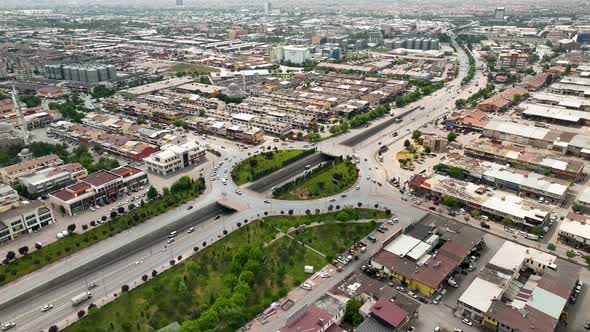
(228, 283)
(180, 192)
(190, 69)
(330, 179)
(257, 166)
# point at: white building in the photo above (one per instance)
(8, 198)
(292, 54)
(172, 158)
(25, 219)
(575, 231)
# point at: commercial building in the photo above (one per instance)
(520, 289)
(499, 13)
(467, 120)
(172, 158)
(501, 100)
(562, 142)
(569, 102)
(52, 178)
(513, 60)
(435, 143)
(291, 54)
(98, 188)
(325, 314)
(410, 257)
(574, 230)
(385, 315)
(497, 204)
(559, 115)
(533, 83)
(538, 160)
(27, 218)
(584, 198)
(8, 198)
(10, 174)
(505, 177)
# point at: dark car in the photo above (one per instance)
(423, 300)
(217, 217)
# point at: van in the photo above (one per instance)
(172, 234)
(437, 299)
(532, 237)
(371, 238)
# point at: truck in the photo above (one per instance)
(81, 298)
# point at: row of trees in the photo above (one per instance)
(360, 119)
(423, 88)
(482, 93)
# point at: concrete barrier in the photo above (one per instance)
(119, 253)
(267, 182)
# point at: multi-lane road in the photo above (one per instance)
(128, 269)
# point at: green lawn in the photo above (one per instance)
(190, 68)
(259, 165)
(199, 284)
(75, 242)
(286, 222)
(340, 237)
(320, 184)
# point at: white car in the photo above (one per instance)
(7, 326)
(467, 322)
(412, 294)
(325, 275)
(306, 286)
(47, 307)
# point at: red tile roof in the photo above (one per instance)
(79, 187)
(389, 312)
(99, 178)
(310, 320)
(63, 194)
(125, 171)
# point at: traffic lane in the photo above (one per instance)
(111, 279)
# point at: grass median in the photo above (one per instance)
(335, 177)
(180, 192)
(230, 282)
(257, 166)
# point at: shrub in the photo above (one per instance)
(38, 246)
(551, 246)
(124, 288)
(179, 258)
(154, 273)
(144, 277)
(195, 249)
(84, 227)
(10, 255)
(172, 262)
(53, 328)
(81, 313)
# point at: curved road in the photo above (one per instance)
(109, 279)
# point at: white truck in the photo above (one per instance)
(81, 298)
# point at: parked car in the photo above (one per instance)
(467, 322)
(423, 300)
(306, 286)
(401, 289)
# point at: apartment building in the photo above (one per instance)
(8, 198)
(53, 178)
(513, 60)
(172, 158)
(473, 196)
(10, 174)
(27, 218)
(98, 188)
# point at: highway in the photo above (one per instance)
(128, 269)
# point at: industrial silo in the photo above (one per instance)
(103, 73)
(112, 72)
(76, 73)
(425, 44)
(400, 43)
(417, 44)
(49, 72)
(82, 74)
(67, 73)
(92, 75)
(434, 44)
(410, 43)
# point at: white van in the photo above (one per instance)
(172, 234)
(532, 237)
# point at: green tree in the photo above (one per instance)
(452, 136)
(551, 246)
(352, 315)
(456, 172)
(407, 144)
(450, 201)
(475, 213)
(570, 254)
(537, 230)
(416, 135)
(152, 193)
(506, 221)
(427, 149)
